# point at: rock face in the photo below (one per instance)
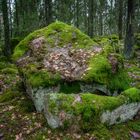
(61, 59)
(121, 114)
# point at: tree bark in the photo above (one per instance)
(129, 38)
(10, 18)
(77, 13)
(90, 18)
(16, 17)
(7, 49)
(120, 20)
(48, 11)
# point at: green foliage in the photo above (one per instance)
(101, 132)
(8, 96)
(120, 132)
(135, 126)
(9, 70)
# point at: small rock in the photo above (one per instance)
(135, 135)
(1, 135)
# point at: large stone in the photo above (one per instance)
(61, 52)
(87, 110)
(120, 114)
(61, 59)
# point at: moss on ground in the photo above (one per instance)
(8, 96)
(33, 125)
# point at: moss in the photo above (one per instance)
(57, 31)
(133, 94)
(43, 78)
(100, 103)
(2, 65)
(98, 70)
(134, 125)
(8, 96)
(120, 132)
(90, 107)
(119, 81)
(60, 102)
(9, 71)
(101, 132)
(133, 69)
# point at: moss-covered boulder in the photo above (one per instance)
(85, 111)
(61, 59)
(61, 52)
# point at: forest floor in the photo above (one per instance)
(20, 121)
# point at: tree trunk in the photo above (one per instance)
(48, 11)
(77, 13)
(7, 49)
(90, 18)
(120, 20)
(101, 24)
(16, 18)
(85, 15)
(10, 18)
(129, 38)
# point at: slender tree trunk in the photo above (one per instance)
(90, 18)
(7, 49)
(16, 17)
(120, 20)
(129, 38)
(48, 11)
(77, 13)
(85, 15)
(101, 23)
(10, 18)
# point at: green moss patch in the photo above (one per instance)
(133, 94)
(43, 78)
(100, 70)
